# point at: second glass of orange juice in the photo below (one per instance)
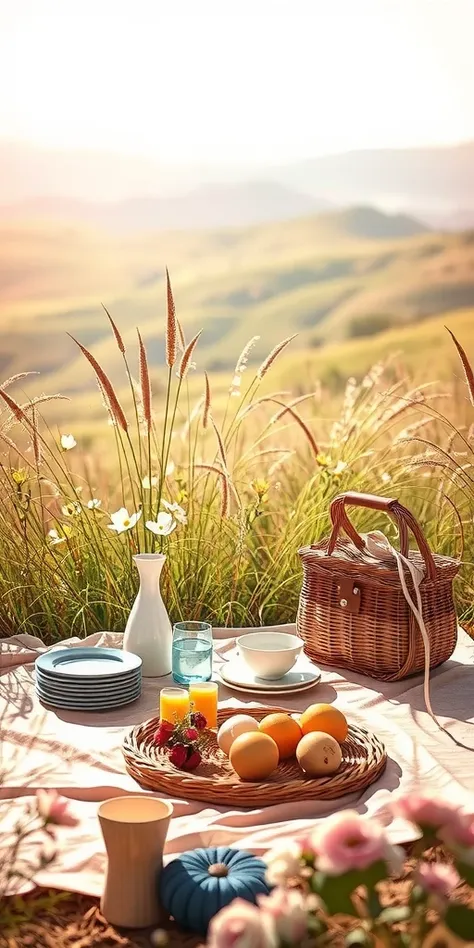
(203, 696)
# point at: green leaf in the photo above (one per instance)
(417, 896)
(373, 904)
(393, 914)
(336, 891)
(358, 937)
(460, 921)
(373, 874)
(466, 872)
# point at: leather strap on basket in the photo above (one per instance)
(403, 518)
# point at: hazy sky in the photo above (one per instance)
(236, 80)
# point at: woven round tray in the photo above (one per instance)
(214, 781)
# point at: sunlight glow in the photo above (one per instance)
(254, 81)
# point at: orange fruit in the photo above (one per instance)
(326, 718)
(284, 730)
(253, 756)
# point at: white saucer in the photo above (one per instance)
(239, 677)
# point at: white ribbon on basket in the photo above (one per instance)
(378, 546)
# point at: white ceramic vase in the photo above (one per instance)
(134, 830)
(148, 630)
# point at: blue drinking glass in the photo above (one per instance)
(192, 652)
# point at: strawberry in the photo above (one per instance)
(178, 755)
(191, 734)
(193, 761)
(198, 720)
(163, 734)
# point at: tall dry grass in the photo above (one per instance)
(228, 495)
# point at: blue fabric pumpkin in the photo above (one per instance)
(197, 884)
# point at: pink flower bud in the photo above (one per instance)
(54, 809)
(242, 925)
(438, 879)
(424, 811)
(289, 911)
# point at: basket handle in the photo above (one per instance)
(404, 520)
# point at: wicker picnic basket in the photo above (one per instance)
(352, 611)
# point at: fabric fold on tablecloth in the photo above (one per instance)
(79, 754)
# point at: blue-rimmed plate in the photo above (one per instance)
(112, 691)
(88, 704)
(82, 663)
(87, 685)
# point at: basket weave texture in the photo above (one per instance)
(352, 611)
(363, 760)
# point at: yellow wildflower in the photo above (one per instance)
(20, 477)
(261, 488)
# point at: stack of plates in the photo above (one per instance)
(88, 679)
(238, 676)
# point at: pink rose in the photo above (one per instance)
(289, 912)
(53, 809)
(459, 833)
(242, 925)
(437, 879)
(348, 841)
(425, 811)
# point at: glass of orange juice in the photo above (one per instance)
(203, 697)
(174, 704)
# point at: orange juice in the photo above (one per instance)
(174, 704)
(203, 697)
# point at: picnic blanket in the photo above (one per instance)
(79, 754)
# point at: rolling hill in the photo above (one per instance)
(341, 280)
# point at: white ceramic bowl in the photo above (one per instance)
(270, 655)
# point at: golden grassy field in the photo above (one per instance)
(403, 425)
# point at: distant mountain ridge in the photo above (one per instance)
(126, 192)
(352, 223)
(210, 206)
(436, 179)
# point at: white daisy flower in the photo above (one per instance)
(177, 512)
(55, 538)
(122, 520)
(68, 442)
(94, 504)
(339, 468)
(162, 526)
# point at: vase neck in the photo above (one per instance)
(149, 566)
